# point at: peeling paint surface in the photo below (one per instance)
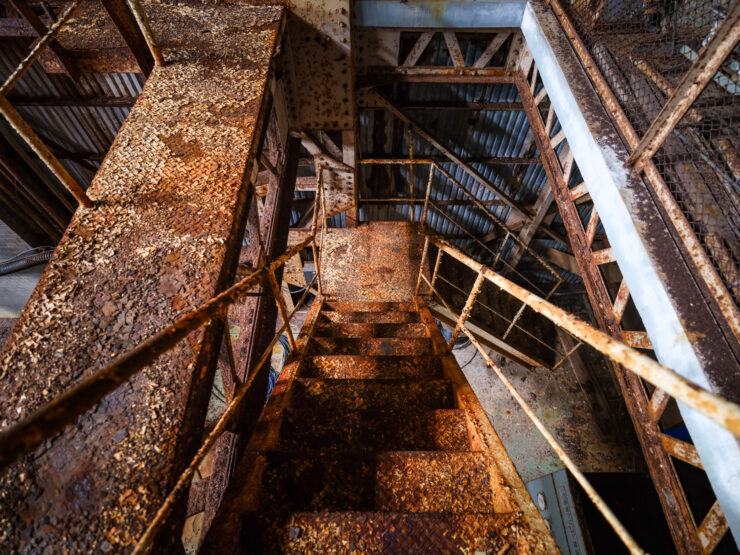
(154, 246)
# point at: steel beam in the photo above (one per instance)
(681, 327)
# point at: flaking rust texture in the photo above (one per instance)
(153, 247)
(377, 261)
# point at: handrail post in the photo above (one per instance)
(421, 265)
(411, 172)
(467, 308)
(426, 196)
(281, 305)
(436, 268)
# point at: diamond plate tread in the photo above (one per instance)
(387, 532)
(370, 346)
(364, 367)
(374, 430)
(360, 330)
(369, 306)
(310, 393)
(436, 481)
(387, 317)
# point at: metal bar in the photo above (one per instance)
(436, 267)
(567, 355)
(500, 222)
(466, 309)
(620, 301)
(35, 52)
(693, 246)
(418, 49)
(723, 412)
(183, 482)
(601, 505)
(67, 62)
(712, 529)
(490, 51)
(668, 487)
(426, 196)
(63, 410)
(125, 21)
(280, 305)
(682, 451)
(710, 58)
(411, 172)
(42, 151)
(452, 156)
(487, 160)
(421, 265)
(439, 202)
(658, 403)
(504, 318)
(454, 48)
(146, 31)
(514, 320)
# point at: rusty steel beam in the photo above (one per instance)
(101, 101)
(386, 75)
(43, 152)
(687, 237)
(723, 40)
(675, 506)
(67, 62)
(52, 418)
(126, 23)
(455, 106)
(452, 156)
(146, 31)
(487, 160)
(38, 48)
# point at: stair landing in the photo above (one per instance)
(376, 261)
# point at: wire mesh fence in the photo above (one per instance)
(644, 48)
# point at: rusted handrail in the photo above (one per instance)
(187, 476)
(63, 410)
(694, 248)
(720, 410)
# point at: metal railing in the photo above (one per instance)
(497, 254)
(680, 137)
(723, 412)
(25, 131)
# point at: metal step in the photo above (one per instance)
(363, 367)
(374, 430)
(386, 346)
(360, 330)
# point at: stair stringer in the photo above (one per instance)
(484, 437)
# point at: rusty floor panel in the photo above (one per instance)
(383, 368)
(377, 261)
(366, 532)
(374, 453)
(154, 246)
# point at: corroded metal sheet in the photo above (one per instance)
(157, 243)
(293, 269)
(363, 532)
(319, 60)
(377, 261)
(364, 367)
(339, 190)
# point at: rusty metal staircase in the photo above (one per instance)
(373, 441)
